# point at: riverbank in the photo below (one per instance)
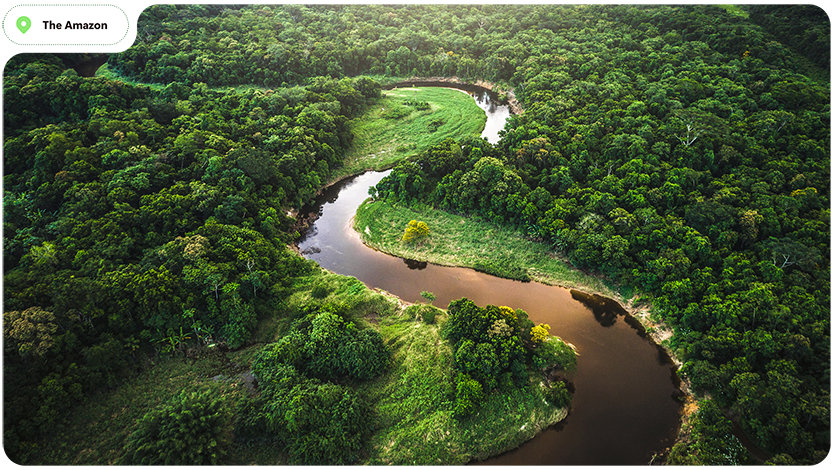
(412, 401)
(406, 121)
(460, 241)
(503, 95)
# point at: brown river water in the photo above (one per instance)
(624, 407)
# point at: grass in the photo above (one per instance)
(97, 428)
(412, 402)
(463, 241)
(392, 130)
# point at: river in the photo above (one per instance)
(624, 408)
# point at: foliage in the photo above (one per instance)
(30, 332)
(710, 442)
(554, 353)
(415, 230)
(325, 346)
(560, 396)
(415, 401)
(319, 423)
(428, 315)
(678, 150)
(493, 343)
(539, 333)
(468, 393)
(193, 428)
(428, 296)
(163, 226)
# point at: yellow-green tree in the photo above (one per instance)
(415, 230)
(540, 332)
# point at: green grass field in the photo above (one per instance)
(392, 130)
(463, 241)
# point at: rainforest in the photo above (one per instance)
(409, 234)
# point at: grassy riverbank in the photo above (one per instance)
(462, 241)
(412, 402)
(407, 121)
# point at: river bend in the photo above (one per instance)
(624, 407)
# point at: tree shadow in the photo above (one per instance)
(605, 310)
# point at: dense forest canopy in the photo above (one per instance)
(680, 151)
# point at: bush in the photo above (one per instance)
(428, 314)
(319, 423)
(415, 230)
(193, 428)
(326, 424)
(468, 394)
(335, 349)
(554, 353)
(435, 124)
(319, 291)
(559, 395)
(396, 112)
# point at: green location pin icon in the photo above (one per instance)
(23, 24)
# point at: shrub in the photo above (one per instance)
(554, 353)
(429, 296)
(335, 349)
(319, 423)
(396, 112)
(326, 424)
(319, 291)
(415, 230)
(324, 346)
(193, 428)
(468, 393)
(540, 333)
(435, 124)
(428, 314)
(559, 395)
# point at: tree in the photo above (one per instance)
(415, 230)
(540, 333)
(31, 331)
(193, 428)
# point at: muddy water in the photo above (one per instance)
(624, 408)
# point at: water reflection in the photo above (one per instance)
(497, 115)
(605, 310)
(414, 264)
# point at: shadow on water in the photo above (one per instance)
(414, 264)
(605, 310)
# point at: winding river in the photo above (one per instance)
(624, 408)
